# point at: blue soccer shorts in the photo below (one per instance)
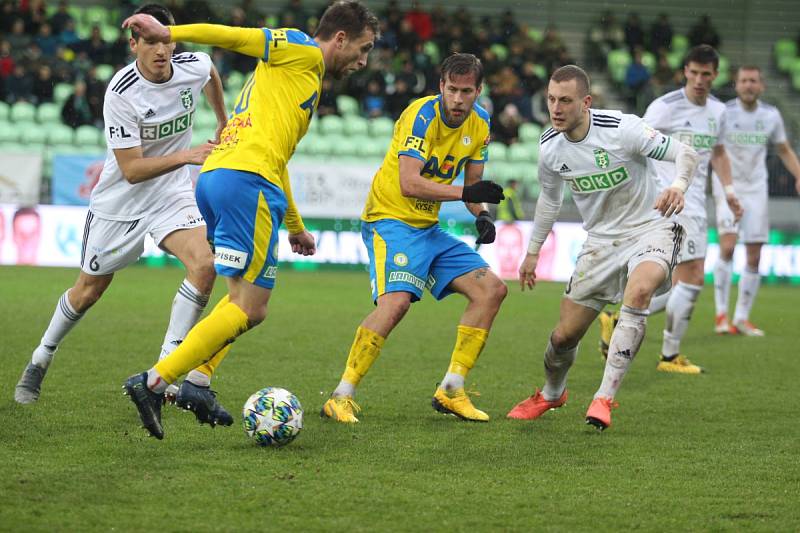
(243, 212)
(403, 258)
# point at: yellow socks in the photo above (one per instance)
(208, 337)
(469, 344)
(210, 366)
(365, 350)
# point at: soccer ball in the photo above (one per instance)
(272, 416)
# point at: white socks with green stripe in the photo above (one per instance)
(64, 319)
(624, 345)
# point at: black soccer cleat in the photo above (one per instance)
(202, 401)
(147, 402)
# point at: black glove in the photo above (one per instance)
(485, 226)
(483, 191)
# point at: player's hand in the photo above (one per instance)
(669, 202)
(198, 154)
(482, 191)
(736, 207)
(218, 133)
(303, 243)
(148, 27)
(485, 226)
(527, 271)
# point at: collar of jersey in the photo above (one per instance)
(587, 131)
(151, 83)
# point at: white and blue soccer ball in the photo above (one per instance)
(272, 416)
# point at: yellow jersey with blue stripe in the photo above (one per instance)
(273, 109)
(422, 132)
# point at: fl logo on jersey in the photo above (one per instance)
(601, 158)
(186, 98)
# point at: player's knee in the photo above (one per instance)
(255, 316)
(563, 340)
(638, 296)
(394, 306)
(204, 274)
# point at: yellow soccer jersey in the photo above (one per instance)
(421, 132)
(274, 108)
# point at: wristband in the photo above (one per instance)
(729, 190)
(681, 184)
(534, 247)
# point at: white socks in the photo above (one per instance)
(723, 271)
(345, 388)
(556, 366)
(749, 283)
(64, 319)
(625, 343)
(198, 378)
(679, 311)
(659, 303)
(452, 381)
(187, 307)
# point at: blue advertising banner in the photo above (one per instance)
(74, 177)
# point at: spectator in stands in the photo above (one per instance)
(605, 34)
(296, 10)
(505, 126)
(7, 16)
(76, 111)
(552, 47)
(34, 15)
(662, 76)
(95, 47)
(6, 59)
(508, 27)
(46, 41)
(374, 103)
(637, 78)
(19, 86)
(510, 209)
(68, 36)
(327, 100)
(704, 33)
(95, 93)
(62, 67)
(661, 34)
(634, 32)
(119, 51)
(420, 21)
(43, 85)
(19, 40)
(59, 19)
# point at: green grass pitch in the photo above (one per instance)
(719, 451)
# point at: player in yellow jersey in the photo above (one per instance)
(434, 140)
(243, 191)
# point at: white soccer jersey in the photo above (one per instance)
(158, 117)
(606, 171)
(697, 126)
(746, 136)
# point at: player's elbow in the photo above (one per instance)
(407, 187)
(131, 176)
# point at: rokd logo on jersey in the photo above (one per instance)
(169, 128)
(598, 182)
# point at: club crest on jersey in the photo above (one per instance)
(186, 98)
(759, 125)
(712, 124)
(601, 158)
(400, 259)
(467, 140)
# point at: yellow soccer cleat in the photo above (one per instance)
(457, 403)
(608, 321)
(679, 364)
(342, 409)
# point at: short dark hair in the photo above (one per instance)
(573, 72)
(702, 54)
(749, 67)
(463, 65)
(349, 16)
(157, 11)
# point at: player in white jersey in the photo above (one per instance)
(632, 244)
(144, 188)
(692, 116)
(750, 125)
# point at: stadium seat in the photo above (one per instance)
(235, 81)
(500, 51)
(60, 134)
(66, 149)
(346, 146)
(523, 152)
(618, 61)
(431, 50)
(202, 135)
(530, 132)
(372, 147)
(498, 152)
(347, 105)
(5, 110)
(318, 145)
(22, 112)
(95, 15)
(796, 81)
(104, 72)
(48, 113)
(109, 32)
(61, 92)
(680, 44)
(524, 171)
(381, 127)
(205, 118)
(354, 125)
(331, 125)
(540, 71)
(88, 137)
(8, 132)
(649, 61)
(499, 171)
(535, 34)
(675, 60)
(785, 53)
(14, 147)
(32, 134)
(724, 70)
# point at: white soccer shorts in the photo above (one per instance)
(695, 237)
(603, 265)
(111, 245)
(753, 227)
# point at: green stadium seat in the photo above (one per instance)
(66, 149)
(796, 81)
(235, 81)
(530, 132)
(540, 71)
(88, 137)
(346, 146)
(202, 135)
(525, 171)
(500, 51)
(499, 171)
(110, 32)
(373, 147)
(785, 52)
(313, 126)
(104, 72)
(205, 118)
(32, 134)
(532, 188)
(535, 34)
(331, 125)
(318, 145)
(9, 133)
(381, 127)
(14, 147)
(62, 91)
(347, 105)
(23, 112)
(649, 61)
(680, 44)
(95, 15)
(431, 50)
(618, 61)
(675, 60)
(5, 111)
(60, 134)
(523, 152)
(498, 152)
(48, 113)
(356, 125)
(724, 70)
(794, 67)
